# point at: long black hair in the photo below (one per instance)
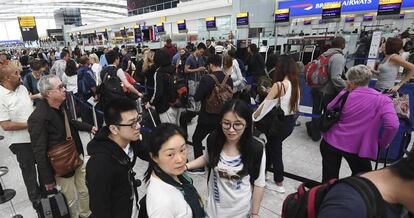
(158, 137)
(246, 146)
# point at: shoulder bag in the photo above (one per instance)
(332, 116)
(64, 157)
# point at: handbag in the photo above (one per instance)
(332, 116)
(272, 122)
(54, 206)
(64, 157)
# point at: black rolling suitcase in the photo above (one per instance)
(54, 206)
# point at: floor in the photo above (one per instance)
(301, 156)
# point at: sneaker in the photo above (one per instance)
(272, 186)
(199, 171)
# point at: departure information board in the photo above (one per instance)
(242, 19)
(389, 7)
(282, 15)
(350, 18)
(331, 10)
(307, 22)
(160, 28)
(137, 34)
(182, 26)
(368, 17)
(28, 28)
(211, 23)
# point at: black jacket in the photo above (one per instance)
(47, 128)
(108, 176)
(163, 89)
(203, 92)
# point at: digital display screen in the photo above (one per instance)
(282, 16)
(123, 32)
(307, 22)
(331, 13)
(389, 9)
(349, 19)
(211, 23)
(368, 18)
(402, 16)
(160, 28)
(137, 34)
(181, 24)
(242, 19)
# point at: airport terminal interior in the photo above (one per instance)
(206, 108)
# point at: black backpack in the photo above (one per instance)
(306, 203)
(111, 87)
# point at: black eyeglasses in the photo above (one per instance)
(133, 125)
(238, 126)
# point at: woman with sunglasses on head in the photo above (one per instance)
(236, 163)
(170, 191)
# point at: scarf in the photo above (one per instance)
(187, 189)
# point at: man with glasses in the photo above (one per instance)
(109, 174)
(15, 109)
(47, 128)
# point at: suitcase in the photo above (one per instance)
(54, 206)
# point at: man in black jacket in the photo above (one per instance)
(207, 122)
(47, 129)
(113, 151)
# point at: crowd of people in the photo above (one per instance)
(38, 113)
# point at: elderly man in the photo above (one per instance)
(15, 109)
(47, 129)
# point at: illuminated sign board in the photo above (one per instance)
(350, 18)
(242, 19)
(160, 27)
(181, 24)
(282, 15)
(123, 31)
(331, 10)
(211, 23)
(368, 17)
(402, 15)
(28, 28)
(389, 7)
(307, 22)
(137, 34)
(314, 7)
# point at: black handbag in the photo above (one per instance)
(332, 116)
(272, 122)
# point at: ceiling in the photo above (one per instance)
(91, 11)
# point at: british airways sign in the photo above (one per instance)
(314, 7)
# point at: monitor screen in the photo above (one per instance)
(182, 26)
(402, 16)
(389, 9)
(307, 22)
(160, 28)
(242, 21)
(331, 13)
(368, 18)
(282, 16)
(349, 19)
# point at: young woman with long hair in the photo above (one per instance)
(286, 87)
(236, 163)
